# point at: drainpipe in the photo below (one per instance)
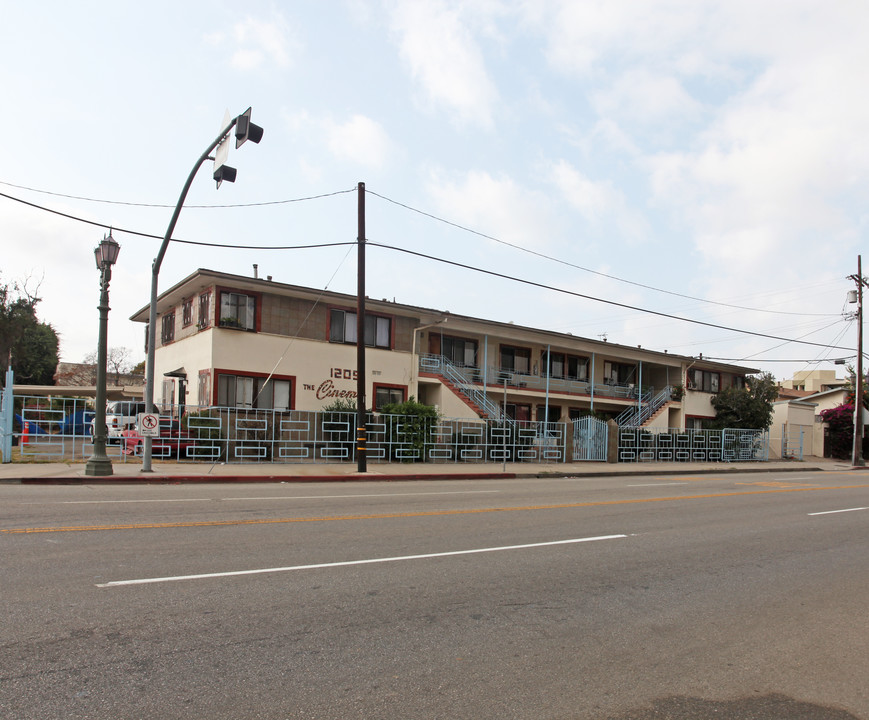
(546, 411)
(414, 360)
(486, 367)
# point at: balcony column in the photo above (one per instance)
(548, 366)
(592, 382)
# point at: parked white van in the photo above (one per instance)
(121, 415)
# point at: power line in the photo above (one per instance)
(601, 300)
(580, 267)
(387, 199)
(758, 360)
(262, 247)
(156, 205)
(447, 262)
(117, 229)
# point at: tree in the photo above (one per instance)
(840, 423)
(840, 419)
(117, 361)
(31, 344)
(749, 407)
(411, 431)
(849, 388)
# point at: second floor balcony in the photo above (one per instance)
(498, 377)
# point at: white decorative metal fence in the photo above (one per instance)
(59, 429)
(674, 445)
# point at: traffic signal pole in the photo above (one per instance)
(252, 132)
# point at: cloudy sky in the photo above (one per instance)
(706, 160)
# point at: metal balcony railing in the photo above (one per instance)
(467, 378)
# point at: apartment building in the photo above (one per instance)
(237, 341)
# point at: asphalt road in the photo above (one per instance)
(628, 598)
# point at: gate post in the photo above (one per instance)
(7, 428)
(612, 441)
(570, 441)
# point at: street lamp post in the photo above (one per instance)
(106, 254)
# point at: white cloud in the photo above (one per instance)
(592, 199)
(496, 206)
(256, 42)
(435, 41)
(642, 96)
(597, 201)
(584, 35)
(360, 140)
(774, 169)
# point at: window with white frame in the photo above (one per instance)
(168, 395)
(204, 397)
(262, 393)
(615, 373)
(704, 380)
(561, 365)
(237, 310)
(342, 329)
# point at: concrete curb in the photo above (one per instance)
(177, 479)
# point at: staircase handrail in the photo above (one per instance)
(635, 416)
(442, 366)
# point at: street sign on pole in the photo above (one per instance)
(149, 425)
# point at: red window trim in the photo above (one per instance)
(258, 305)
(189, 322)
(390, 386)
(217, 372)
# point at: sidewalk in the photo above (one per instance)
(169, 472)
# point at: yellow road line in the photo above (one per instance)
(430, 513)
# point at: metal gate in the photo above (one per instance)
(590, 439)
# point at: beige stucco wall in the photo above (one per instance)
(193, 354)
(698, 404)
(661, 421)
(791, 417)
(323, 371)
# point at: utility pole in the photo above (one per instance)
(857, 454)
(361, 448)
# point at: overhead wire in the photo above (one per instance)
(117, 229)
(580, 267)
(163, 206)
(455, 264)
(399, 204)
(597, 299)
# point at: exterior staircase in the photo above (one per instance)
(455, 380)
(647, 409)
